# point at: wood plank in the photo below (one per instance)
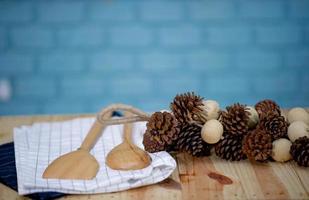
(271, 185)
(302, 174)
(7, 193)
(248, 180)
(287, 175)
(232, 191)
(191, 179)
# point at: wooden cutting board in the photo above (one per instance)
(195, 178)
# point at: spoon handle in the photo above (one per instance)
(127, 128)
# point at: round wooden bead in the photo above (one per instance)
(281, 150)
(298, 114)
(253, 117)
(212, 109)
(212, 131)
(298, 129)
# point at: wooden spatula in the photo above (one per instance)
(127, 156)
(79, 164)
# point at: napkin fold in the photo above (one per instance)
(38, 145)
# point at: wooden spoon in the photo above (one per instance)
(127, 156)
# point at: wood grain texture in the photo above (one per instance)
(192, 179)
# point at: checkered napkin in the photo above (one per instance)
(38, 145)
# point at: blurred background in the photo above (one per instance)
(77, 56)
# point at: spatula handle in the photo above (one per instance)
(94, 134)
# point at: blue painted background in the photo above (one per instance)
(77, 56)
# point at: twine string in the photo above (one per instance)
(139, 115)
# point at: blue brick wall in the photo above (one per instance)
(68, 56)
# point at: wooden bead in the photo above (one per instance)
(212, 109)
(298, 114)
(298, 129)
(281, 150)
(212, 131)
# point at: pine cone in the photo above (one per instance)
(300, 151)
(187, 107)
(162, 130)
(274, 124)
(230, 148)
(190, 140)
(257, 145)
(152, 145)
(267, 105)
(235, 119)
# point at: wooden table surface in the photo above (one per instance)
(195, 178)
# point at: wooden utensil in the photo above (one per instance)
(80, 164)
(127, 156)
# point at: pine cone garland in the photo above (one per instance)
(300, 151)
(267, 105)
(257, 145)
(162, 131)
(230, 148)
(187, 107)
(274, 124)
(190, 140)
(235, 119)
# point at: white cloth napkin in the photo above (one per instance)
(38, 145)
